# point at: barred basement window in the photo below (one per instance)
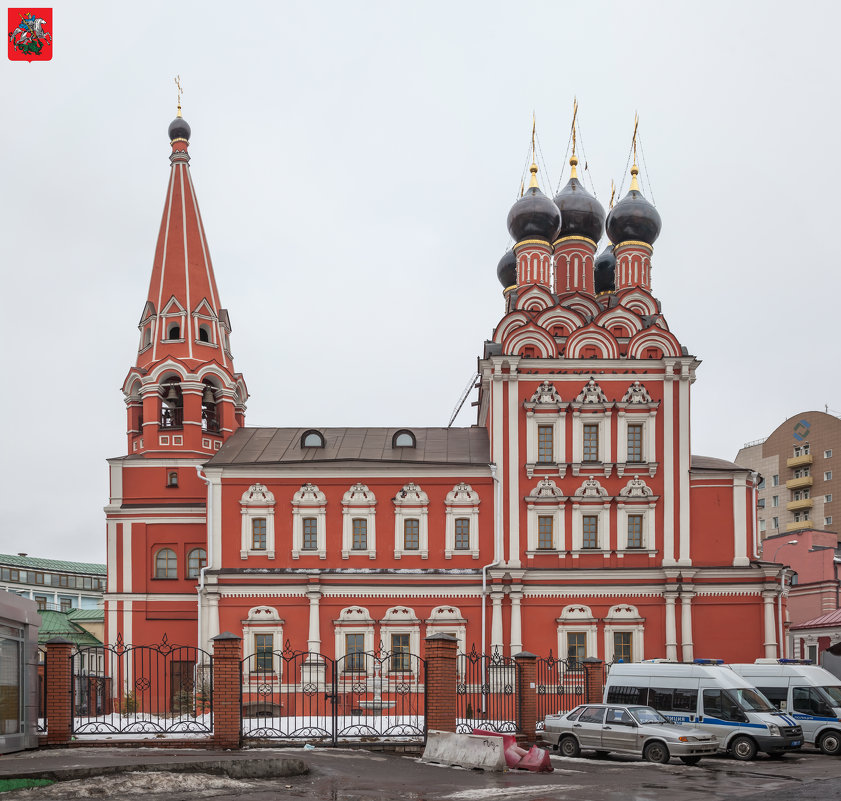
(462, 541)
(591, 443)
(310, 542)
(360, 534)
(545, 532)
(590, 525)
(411, 534)
(635, 531)
(258, 534)
(545, 453)
(635, 443)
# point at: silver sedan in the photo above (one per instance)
(637, 730)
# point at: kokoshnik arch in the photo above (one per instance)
(572, 515)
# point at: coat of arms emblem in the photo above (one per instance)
(30, 34)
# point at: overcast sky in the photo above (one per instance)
(355, 163)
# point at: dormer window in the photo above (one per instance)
(204, 333)
(403, 439)
(174, 332)
(312, 439)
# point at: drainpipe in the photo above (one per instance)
(781, 648)
(497, 555)
(209, 516)
(755, 479)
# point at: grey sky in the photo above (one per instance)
(355, 163)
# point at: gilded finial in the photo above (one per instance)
(180, 91)
(533, 169)
(635, 187)
(573, 163)
(612, 192)
(574, 116)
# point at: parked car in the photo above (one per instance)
(637, 730)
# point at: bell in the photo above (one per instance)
(171, 394)
(208, 396)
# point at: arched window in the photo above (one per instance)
(312, 439)
(174, 332)
(209, 418)
(196, 560)
(172, 478)
(147, 336)
(166, 564)
(204, 333)
(403, 439)
(172, 405)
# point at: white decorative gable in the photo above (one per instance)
(263, 614)
(354, 614)
(636, 393)
(411, 495)
(309, 495)
(591, 488)
(257, 495)
(576, 612)
(547, 489)
(546, 393)
(400, 614)
(591, 393)
(359, 495)
(462, 495)
(635, 488)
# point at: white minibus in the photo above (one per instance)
(805, 692)
(711, 696)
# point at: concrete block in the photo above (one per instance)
(464, 750)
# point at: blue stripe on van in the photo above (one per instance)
(717, 722)
(800, 716)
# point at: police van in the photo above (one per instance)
(805, 692)
(711, 696)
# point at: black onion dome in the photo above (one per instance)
(506, 270)
(604, 271)
(179, 129)
(581, 213)
(633, 218)
(534, 216)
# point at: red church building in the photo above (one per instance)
(571, 517)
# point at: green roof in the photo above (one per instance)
(59, 624)
(33, 563)
(87, 615)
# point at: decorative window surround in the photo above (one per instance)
(636, 498)
(354, 620)
(591, 406)
(544, 500)
(449, 620)
(590, 498)
(574, 618)
(359, 502)
(624, 617)
(545, 407)
(411, 503)
(646, 417)
(401, 620)
(309, 501)
(262, 620)
(257, 501)
(462, 501)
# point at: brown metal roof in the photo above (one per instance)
(283, 446)
(711, 463)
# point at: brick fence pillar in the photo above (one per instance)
(441, 682)
(526, 695)
(227, 690)
(593, 679)
(58, 698)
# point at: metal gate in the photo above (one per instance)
(301, 695)
(486, 696)
(561, 686)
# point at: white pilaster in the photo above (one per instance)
(516, 622)
(770, 627)
(513, 470)
(496, 621)
(314, 637)
(685, 557)
(740, 522)
(127, 557)
(668, 468)
(687, 645)
(671, 627)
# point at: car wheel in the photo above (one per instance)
(693, 760)
(830, 743)
(656, 752)
(743, 748)
(568, 746)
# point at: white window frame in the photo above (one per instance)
(401, 620)
(545, 500)
(577, 618)
(354, 620)
(600, 510)
(257, 501)
(827, 475)
(262, 620)
(411, 503)
(827, 454)
(359, 502)
(624, 617)
(558, 422)
(461, 501)
(623, 510)
(649, 443)
(602, 419)
(309, 501)
(448, 619)
(827, 521)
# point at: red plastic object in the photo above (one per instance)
(535, 759)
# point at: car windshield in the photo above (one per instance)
(647, 714)
(834, 693)
(753, 701)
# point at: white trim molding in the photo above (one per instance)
(462, 502)
(309, 502)
(577, 618)
(359, 503)
(636, 498)
(624, 618)
(354, 620)
(546, 499)
(411, 503)
(262, 620)
(590, 498)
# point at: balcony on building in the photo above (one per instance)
(799, 483)
(799, 461)
(796, 506)
(797, 525)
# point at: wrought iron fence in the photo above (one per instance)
(486, 696)
(41, 725)
(142, 689)
(301, 695)
(561, 686)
